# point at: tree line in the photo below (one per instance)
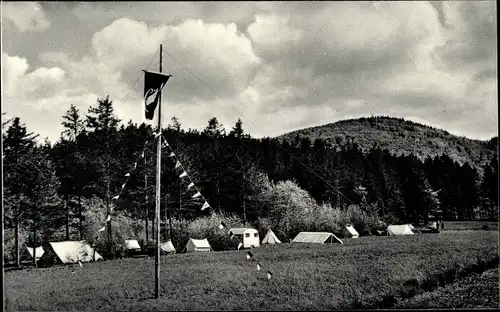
(44, 184)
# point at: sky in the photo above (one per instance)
(279, 66)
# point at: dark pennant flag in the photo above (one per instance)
(153, 83)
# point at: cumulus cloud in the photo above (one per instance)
(26, 16)
(302, 63)
(19, 83)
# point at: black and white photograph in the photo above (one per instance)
(249, 155)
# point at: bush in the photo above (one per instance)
(9, 246)
(95, 219)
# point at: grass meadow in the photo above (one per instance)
(369, 272)
(470, 225)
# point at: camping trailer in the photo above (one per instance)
(316, 238)
(68, 252)
(270, 238)
(247, 236)
(197, 245)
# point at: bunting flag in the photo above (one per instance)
(269, 275)
(166, 144)
(127, 175)
(142, 155)
(222, 225)
(153, 83)
(205, 206)
(116, 197)
(123, 185)
(108, 218)
(135, 165)
(102, 229)
(198, 194)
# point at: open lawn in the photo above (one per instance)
(365, 272)
(470, 225)
(479, 290)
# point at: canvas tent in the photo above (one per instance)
(403, 229)
(68, 252)
(28, 254)
(316, 238)
(195, 245)
(351, 232)
(132, 245)
(270, 238)
(167, 247)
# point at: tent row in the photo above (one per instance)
(78, 251)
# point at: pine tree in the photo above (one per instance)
(42, 202)
(74, 171)
(18, 143)
(102, 121)
(237, 131)
(214, 129)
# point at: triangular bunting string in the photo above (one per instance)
(198, 194)
(249, 255)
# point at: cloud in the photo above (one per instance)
(277, 65)
(19, 83)
(26, 16)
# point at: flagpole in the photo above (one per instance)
(158, 194)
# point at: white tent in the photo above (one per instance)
(432, 224)
(352, 231)
(270, 238)
(403, 229)
(132, 244)
(195, 245)
(316, 237)
(39, 252)
(167, 247)
(69, 252)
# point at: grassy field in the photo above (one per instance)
(367, 272)
(479, 290)
(470, 225)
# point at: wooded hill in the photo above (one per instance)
(401, 136)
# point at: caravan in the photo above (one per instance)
(247, 236)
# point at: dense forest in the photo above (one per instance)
(49, 187)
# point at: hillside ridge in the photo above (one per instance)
(400, 136)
